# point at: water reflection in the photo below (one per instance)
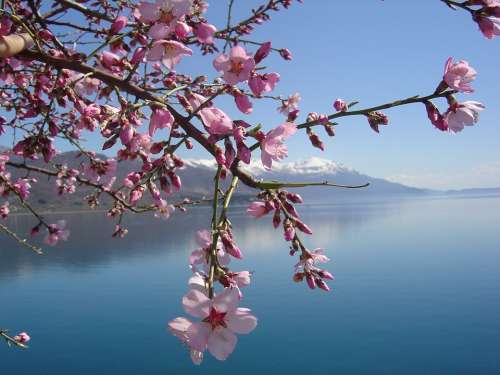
(417, 292)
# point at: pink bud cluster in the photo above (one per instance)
(281, 203)
(220, 317)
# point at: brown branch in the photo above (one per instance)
(138, 92)
(13, 44)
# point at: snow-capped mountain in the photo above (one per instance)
(308, 170)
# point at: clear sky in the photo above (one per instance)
(377, 51)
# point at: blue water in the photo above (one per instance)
(417, 292)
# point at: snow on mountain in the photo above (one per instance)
(311, 166)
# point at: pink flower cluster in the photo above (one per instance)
(220, 317)
(457, 76)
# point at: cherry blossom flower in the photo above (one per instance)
(127, 133)
(165, 11)
(243, 103)
(258, 209)
(489, 24)
(164, 210)
(291, 104)
(182, 29)
(273, 147)
(216, 121)
(170, 52)
(179, 327)
(204, 32)
(22, 337)
(236, 67)
(118, 24)
(160, 119)
(200, 255)
(221, 320)
(459, 75)
(260, 83)
(461, 114)
(307, 267)
(56, 232)
(23, 186)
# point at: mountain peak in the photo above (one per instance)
(311, 166)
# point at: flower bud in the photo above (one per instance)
(311, 283)
(322, 285)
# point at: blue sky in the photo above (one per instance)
(375, 52)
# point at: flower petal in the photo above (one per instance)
(241, 321)
(221, 343)
(198, 334)
(226, 301)
(196, 303)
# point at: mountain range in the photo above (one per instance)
(197, 181)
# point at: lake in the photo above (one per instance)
(417, 291)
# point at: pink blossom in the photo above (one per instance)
(22, 337)
(4, 210)
(309, 261)
(23, 186)
(435, 116)
(200, 255)
(182, 29)
(286, 54)
(236, 67)
(375, 119)
(243, 103)
(164, 210)
(221, 319)
(5, 25)
(204, 33)
(140, 142)
(160, 119)
(87, 85)
(273, 147)
(461, 114)
(262, 52)
(340, 105)
(291, 104)
(178, 327)
(109, 60)
(46, 35)
(56, 232)
(138, 55)
(260, 83)
(159, 31)
(459, 75)
(169, 52)
(166, 11)
(119, 23)
(4, 158)
(258, 209)
(127, 133)
(216, 121)
(489, 25)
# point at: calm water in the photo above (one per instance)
(417, 292)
